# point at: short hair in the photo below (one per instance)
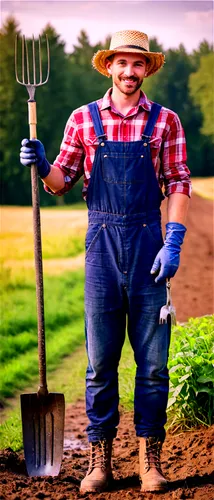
(110, 58)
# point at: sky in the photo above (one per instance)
(172, 22)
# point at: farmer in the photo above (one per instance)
(127, 148)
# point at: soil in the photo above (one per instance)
(186, 463)
(187, 457)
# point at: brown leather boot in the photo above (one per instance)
(99, 473)
(150, 468)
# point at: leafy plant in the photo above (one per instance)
(191, 363)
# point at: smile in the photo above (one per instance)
(131, 80)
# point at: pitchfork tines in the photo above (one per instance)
(31, 76)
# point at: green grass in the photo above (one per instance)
(68, 379)
(79, 205)
(11, 432)
(19, 246)
(64, 320)
(65, 246)
(64, 313)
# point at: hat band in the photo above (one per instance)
(130, 47)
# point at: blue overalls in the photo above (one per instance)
(123, 238)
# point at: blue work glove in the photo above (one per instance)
(167, 260)
(33, 151)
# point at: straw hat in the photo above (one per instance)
(128, 41)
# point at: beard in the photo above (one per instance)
(125, 88)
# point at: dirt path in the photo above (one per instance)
(187, 457)
(192, 287)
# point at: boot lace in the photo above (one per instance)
(152, 453)
(99, 455)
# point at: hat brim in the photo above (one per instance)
(156, 60)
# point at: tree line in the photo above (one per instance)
(185, 85)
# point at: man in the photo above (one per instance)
(135, 147)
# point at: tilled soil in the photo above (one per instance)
(187, 460)
(187, 457)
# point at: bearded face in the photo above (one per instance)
(128, 71)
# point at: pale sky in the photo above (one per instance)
(172, 22)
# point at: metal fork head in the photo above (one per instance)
(167, 312)
(31, 76)
(167, 315)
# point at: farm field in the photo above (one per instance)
(187, 458)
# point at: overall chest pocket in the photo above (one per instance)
(122, 168)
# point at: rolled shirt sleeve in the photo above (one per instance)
(176, 175)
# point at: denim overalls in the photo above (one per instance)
(123, 238)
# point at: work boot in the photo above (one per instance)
(150, 468)
(99, 473)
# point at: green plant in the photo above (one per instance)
(191, 374)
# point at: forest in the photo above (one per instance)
(185, 85)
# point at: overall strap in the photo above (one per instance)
(97, 122)
(154, 113)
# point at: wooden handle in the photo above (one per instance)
(32, 119)
(42, 390)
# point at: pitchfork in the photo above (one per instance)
(167, 312)
(42, 412)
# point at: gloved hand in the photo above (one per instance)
(167, 260)
(33, 151)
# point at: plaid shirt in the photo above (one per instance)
(167, 144)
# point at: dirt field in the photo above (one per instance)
(187, 457)
(187, 463)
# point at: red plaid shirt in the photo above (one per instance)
(168, 145)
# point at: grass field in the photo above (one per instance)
(64, 313)
(63, 233)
